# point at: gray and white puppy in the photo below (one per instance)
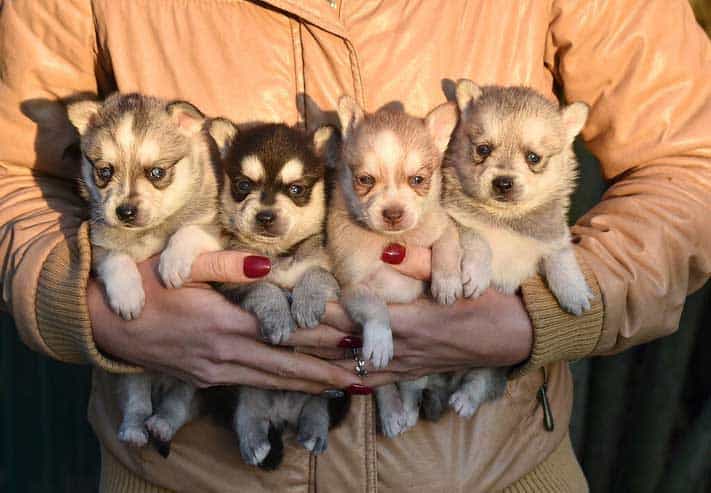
(273, 203)
(510, 170)
(151, 185)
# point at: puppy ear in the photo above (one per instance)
(440, 123)
(467, 93)
(349, 114)
(222, 132)
(81, 113)
(188, 118)
(574, 117)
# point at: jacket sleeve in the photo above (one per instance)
(47, 53)
(644, 68)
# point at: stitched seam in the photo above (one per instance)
(299, 73)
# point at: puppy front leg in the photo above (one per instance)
(174, 410)
(184, 246)
(371, 313)
(446, 286)
(312, 428)
(567, 281)
(476, 263)
(135, 402)
(478, 386)
(122, 281)
(310, 295)
(269, 304)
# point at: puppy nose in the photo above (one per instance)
(393, 215)
(265, 218)
(127, 212)
(503, 184)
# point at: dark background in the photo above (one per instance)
(641, 420)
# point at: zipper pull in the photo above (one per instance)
(548, 422)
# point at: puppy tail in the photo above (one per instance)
(434, 402)
(276, 454)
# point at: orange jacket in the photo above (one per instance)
(643, 67)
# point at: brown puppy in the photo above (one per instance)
(388, 191)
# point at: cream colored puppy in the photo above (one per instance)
(388, 191)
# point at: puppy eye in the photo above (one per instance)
(533, 158)
(483, 150)
(155, 174)
(105, 173)
(366, 180)
(296, 190)
(244, 186)
(416, 180)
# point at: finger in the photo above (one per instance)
(242, 375)
(323, 336)
(415, 262)
(285, 363)
(229, 266)
(337, 317)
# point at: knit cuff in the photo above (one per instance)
(61, 307)
(558, 335)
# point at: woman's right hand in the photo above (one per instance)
(195, 334)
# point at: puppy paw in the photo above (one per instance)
(377, 344)
(314, 441)
(307, 308)
(254, 450)
(135, 436)
(160, 429)
(175, 266)
(446, 288)
(393, 423)
(125, 294)
(464, 403)
(576, 299)
(476, 277)
(277, 325)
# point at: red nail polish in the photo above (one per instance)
(358, 389)
(394, 253)
(256, 266)
(351, 342)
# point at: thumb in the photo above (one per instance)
(229, 266)
(413, 261)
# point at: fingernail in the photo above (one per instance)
(332, 394)
(394, 254)
(358, 389)
(256, 266)
(351, 342)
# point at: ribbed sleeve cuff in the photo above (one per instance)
(61, 308)
(558, 335)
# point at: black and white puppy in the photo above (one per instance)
(273, 203)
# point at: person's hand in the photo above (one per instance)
(492, 330)
(195, 334)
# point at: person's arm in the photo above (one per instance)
(644, 69)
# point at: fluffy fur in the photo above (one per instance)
(510, 170)
(273, 202)
(388, 191)
(149, 179)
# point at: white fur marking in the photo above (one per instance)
(388, 148)
(124, 133)
(252, 168)
(293, 170)
(148, 151)
(124, 286)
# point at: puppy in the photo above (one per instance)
(388, 191)
(150, 183)
(510, 170)
(273, 203)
